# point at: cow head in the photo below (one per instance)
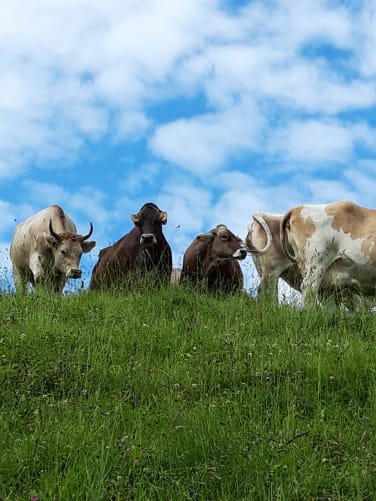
(149, 221)
(223, 244)
(67, 249)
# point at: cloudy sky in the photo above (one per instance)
(213, 109)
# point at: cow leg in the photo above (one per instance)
(58, 283)
(312, 279)
(268, 287)
(20, 280)
(36, 267)
(352, 299)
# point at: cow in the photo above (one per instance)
(270, 260)
(212, 261)
(46, 250)
(334, 246)
(142, 253)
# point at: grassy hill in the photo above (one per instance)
(175, 394)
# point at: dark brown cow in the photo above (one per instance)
(46, 249)
(212, 261)
(144, 251)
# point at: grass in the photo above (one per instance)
(174, 394)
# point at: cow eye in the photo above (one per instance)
(63, 252)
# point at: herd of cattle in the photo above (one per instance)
(319, 250)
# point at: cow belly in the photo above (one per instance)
(226, 277)
(347, 273)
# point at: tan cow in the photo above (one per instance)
(46, 250)
(334, 246)
(271, 262)
(212, 261)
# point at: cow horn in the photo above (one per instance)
(55, 235)
(85, 237)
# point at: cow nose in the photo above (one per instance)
(148, 239)
(240, 253)
(75, 273)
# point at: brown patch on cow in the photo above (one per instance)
(359, 223)
(73, 237)
(353, 220)
(304, 227)
(346, 218)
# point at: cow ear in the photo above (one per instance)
(87, 246)
(50, 240)
(163, 217)
(205, 237)
(134, 218)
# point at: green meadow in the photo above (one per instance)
(174, 394)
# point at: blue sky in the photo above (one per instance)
(212, 109)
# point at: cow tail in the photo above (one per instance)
(285, 232)
(257, 216)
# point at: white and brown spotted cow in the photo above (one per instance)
(46, 250)
(334, 246)
(264, 244)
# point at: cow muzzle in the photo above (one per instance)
(74, 273)
(148, 239)
(240, 254)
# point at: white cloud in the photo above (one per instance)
(328, 190)
(203, 144)
(365, 33)
(189, 207)
(361, 178)
(136, 178)
(307, 86)
(11, 215)
(83, 205)
(333, 25)
(268, 61)
(132, 124)
(44, 193)
(315, 142)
